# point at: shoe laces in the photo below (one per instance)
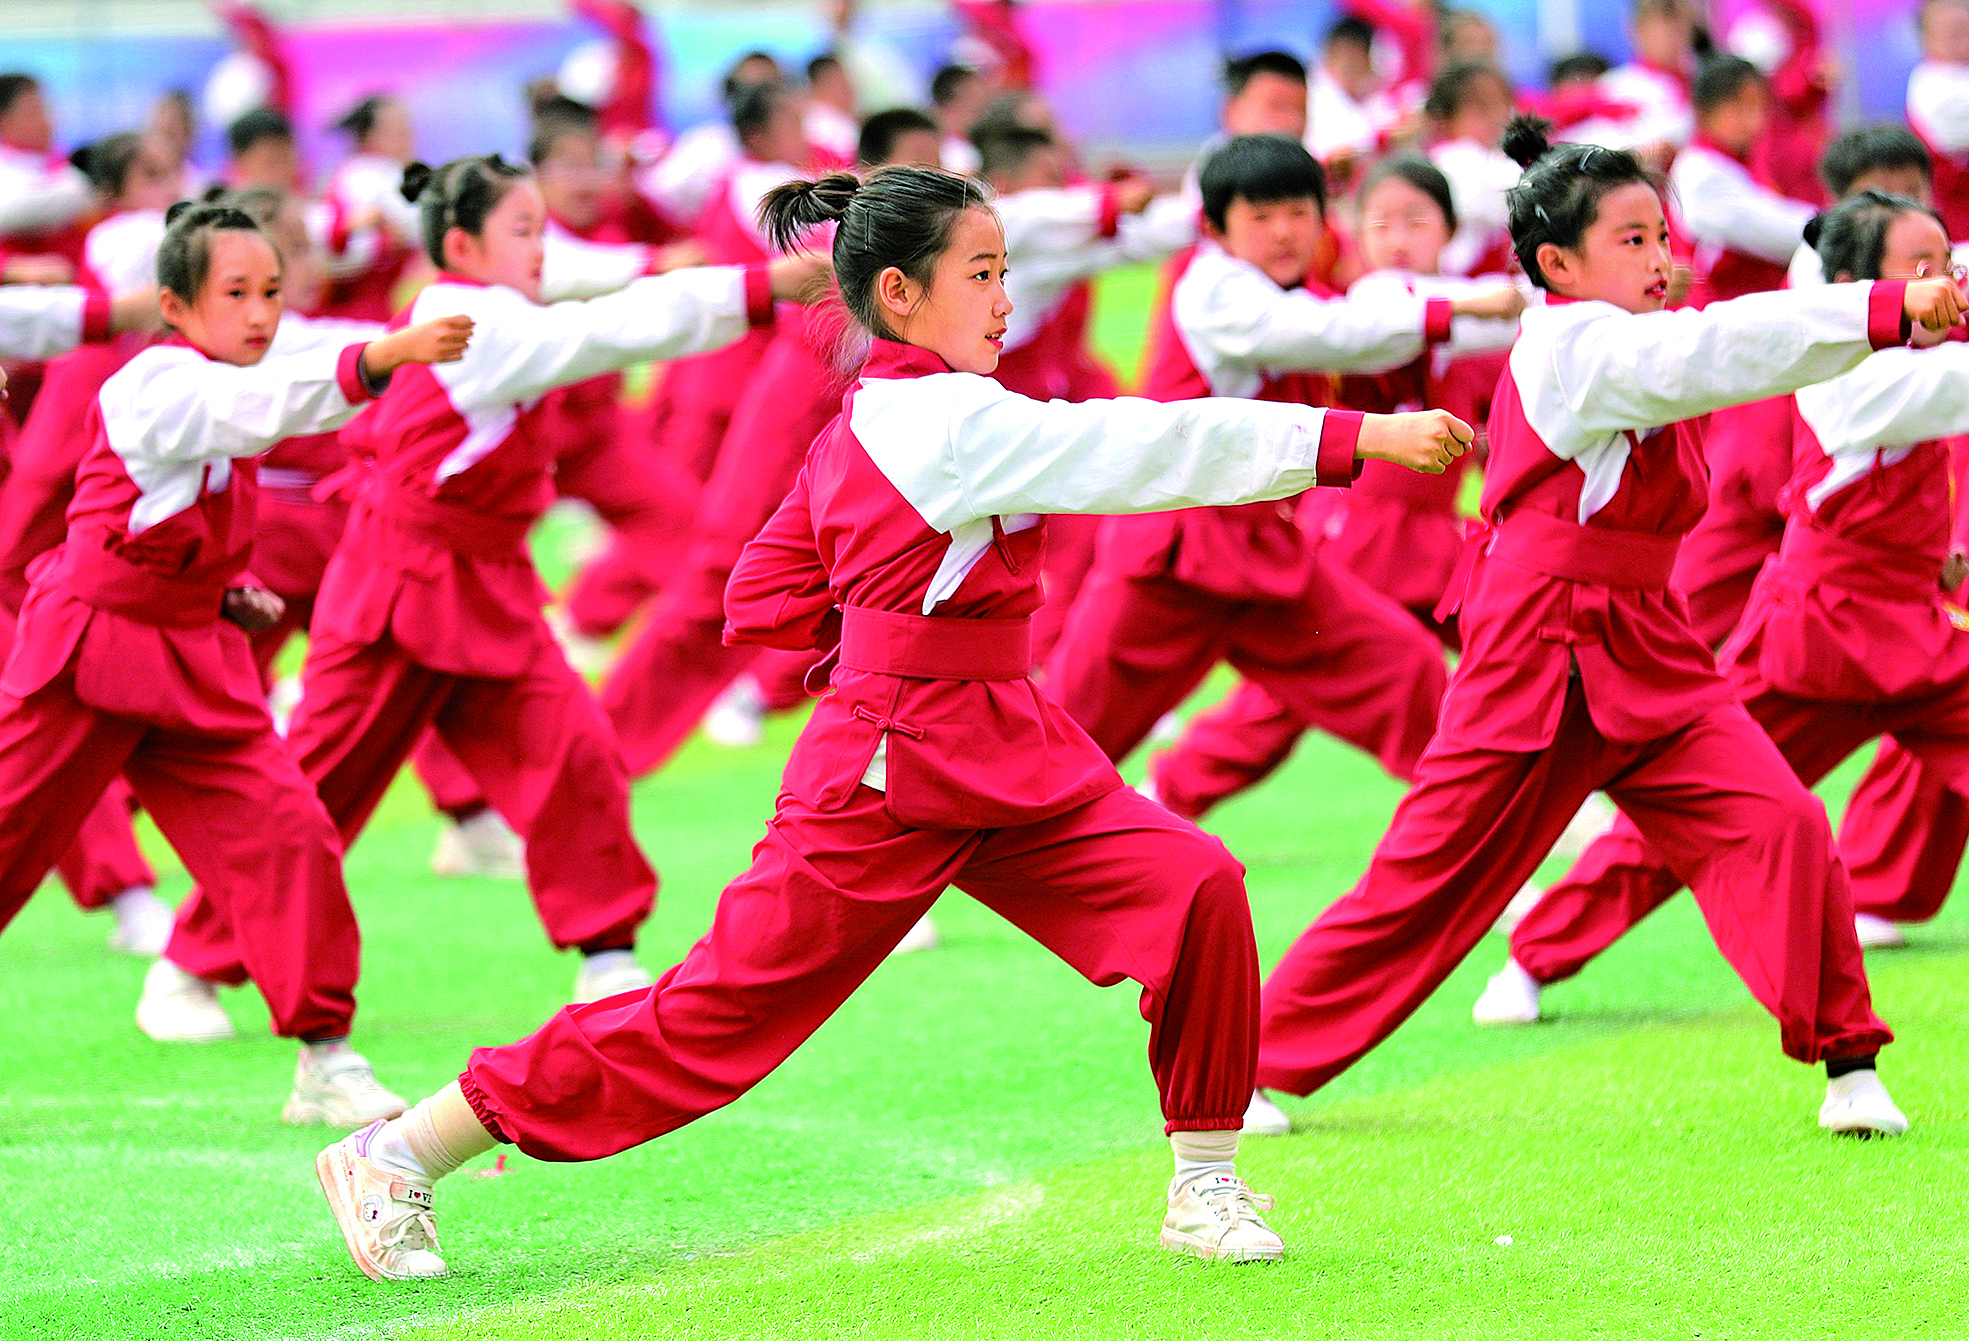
(1230, 1200)
(348, 1071)
(415, 1230)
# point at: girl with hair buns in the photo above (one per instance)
(910, 547)
(1579, 669)
(131, 654)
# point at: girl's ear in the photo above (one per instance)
(896, 292)
(1843, 277)
(456, 242)
(172, 308)
(1554, 261)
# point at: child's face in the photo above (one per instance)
(1402, 228)
(1945, 31)
(1915, 248)
(26, 123)
(270, 161)
(1740, 122)
(781, 139)
(571, 180)
(1622, 257)
(1910, 182)
(1664, 36)
(391, 135)
(1045, 168)
(304, 278)
(508, 249)
(961, 315)
(1280, 237)
(1487, 109)
(917, 149)
(234, 315)
(1268, 104)
(152, 181)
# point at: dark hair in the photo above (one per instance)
(261, 204)
(1241, 70)
(12, 86)
(556, 124)
(1005, 146)
(899, 216)
(733, 84)
(945, 83)
(1721, 79)
(1872, 149)
(1419, 173)
(360, 119)
(1451, 88)
(1851, 237)
(1259, 169)
(754, 104)
(1350, 30)
(821, 64)
(184, 257)
(1559, 196)
(262, 123)
(107, 162)
(880, 133)
(458, 195)
(1579, 65)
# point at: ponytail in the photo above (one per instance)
(1558, 198)
(458, 195)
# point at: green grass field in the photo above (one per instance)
(972, 1147)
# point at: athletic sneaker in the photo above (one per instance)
(1857, 1104)
(337, 1089)
(737, 717)
(177, 1008)
(1510, 997)
(1216, 1217)
(1262, 1117)
(1594, 817)
(610, 973)
(385, 1218)
(143, 923)
(1521, 903)
(922, 936)
(484, 845)
(1877, 933)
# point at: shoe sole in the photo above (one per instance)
(1504, 1021)
(329, 1173)
(1862, 1131)
(299, 1112)
(166, 1037)
(1189, 1245)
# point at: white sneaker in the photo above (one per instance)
(1146, 788)
(1514, 912)
(177, 1008)
(1595, 816)
(143, 923)
(1877, 933)
(284, 697)
(737, 717)
(1857, 1104)
(587, 654)
(1510, 997)
(385, 1218)
(1216, 1218)
(922, 936)
(1168, 729)
(1262, 1117)
(610, 973)
(484, 845)
(337, 1089)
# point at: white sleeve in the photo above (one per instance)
(1607, 371)
(1241, 317)
(1168, 225)
(522, 350)
(1806, 269)
(358, 251)
(1938, 105)
(296, 333)
(574, 267)
(1895, 399)
(1047, 221)
(49, 200)
(961, 447)
(38, 322)
(1467, 335)
(169, 406)
(1722, 207)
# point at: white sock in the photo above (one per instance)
(433, 1139)
(317, 1053)
(1203, 1154)
(391, 1149)
(606, 961)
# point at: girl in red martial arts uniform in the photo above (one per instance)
(1845, 636)
(429, 613)
(911, 546)
(130, 655)
(1579, 669)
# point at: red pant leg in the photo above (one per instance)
(545, 757)
(827, 896)
(1903, 837)
(1471, 830)
(661, 687)
(1133, 649)
(253, 834)
(1224, 750)
(104, 860)
(1120, 888)
(453, 790)
(1613, 884)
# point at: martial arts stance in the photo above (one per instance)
(910, 545)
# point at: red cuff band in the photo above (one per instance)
(758, 296)
(95, 317)
(348, 375)
(1340, 435)
(1108, 220)
(1886, 314)
(1436, 316)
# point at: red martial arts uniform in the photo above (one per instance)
(1787, 154)
(123, 664)
(936, 760)
(1938, 110)
(1580, 674)
(1743, 234)
(1845, 637)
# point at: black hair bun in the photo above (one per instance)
(172, 215)
(213, 194)
(1527, 139)
(416, 176)
(1814, 226)
(82, 157)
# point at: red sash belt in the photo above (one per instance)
(461, 530)
(110, 582)
(1822, 557)
(1602, 556)
(922, 648)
